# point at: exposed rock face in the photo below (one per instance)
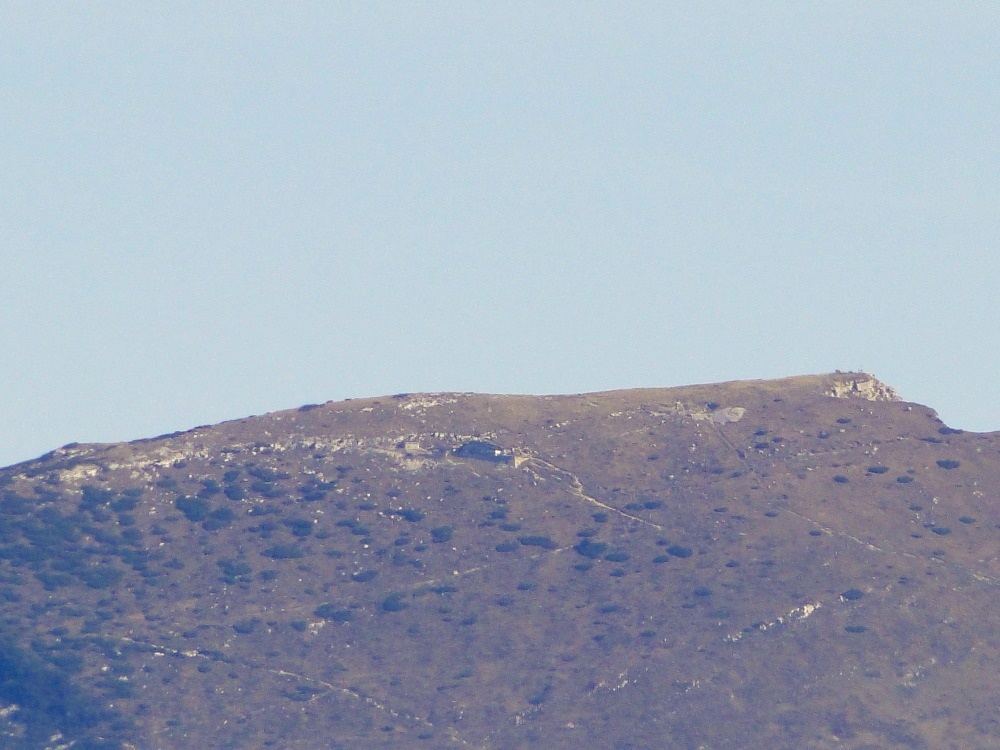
(805, 562)
(866, 386)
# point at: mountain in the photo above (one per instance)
(805, 562)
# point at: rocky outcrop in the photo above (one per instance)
(861, 385)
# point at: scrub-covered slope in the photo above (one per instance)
(800, 562)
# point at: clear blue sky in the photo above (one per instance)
(211, 210)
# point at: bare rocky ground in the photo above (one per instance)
(806, 562)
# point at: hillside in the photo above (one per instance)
(805, 562)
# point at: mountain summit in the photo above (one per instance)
(804, 562)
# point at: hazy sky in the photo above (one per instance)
(216, 209)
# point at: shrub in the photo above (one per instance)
(233, 569)
(299, 527)
(194, 508)
(441, 534)
(393, 603)
(101, 576)
(126, 503)
(245, 627)
(878, 469)
(333, 613)
(616, 556)
(482, 450)
(209, 487)
(284, 552)
(537, 541)
(363, 576)
(852, 595)
(904, 479)
(14, 505)
(234, 492)
(219, 518)
(948, 463)
(265, 474)
(266, 489)
(302, 693)
(539, 697)
(590, 549)
(679, 551)
(841, 479)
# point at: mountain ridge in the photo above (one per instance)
(840, 385)
(811, 557)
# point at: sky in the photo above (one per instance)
(215, 209)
